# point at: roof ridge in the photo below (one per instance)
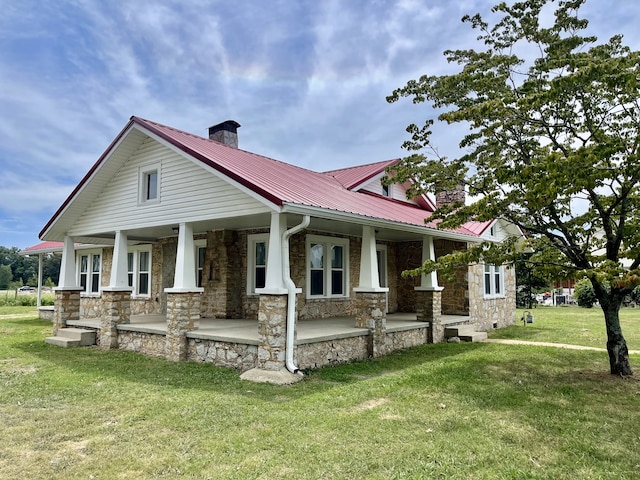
(352, 167)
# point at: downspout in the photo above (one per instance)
(291, 296)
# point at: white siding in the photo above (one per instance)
(188, 193)
(398, 192)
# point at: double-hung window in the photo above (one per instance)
(327, 267)
(257, 248)
(139, 270)
(89, 271)
(149, 183)
(493, 281)
(200, 249)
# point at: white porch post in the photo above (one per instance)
(428, 281)
(184, 279)
(39, 299)
(369, 278)
(68, 265)
(119, 268)
(274, 282)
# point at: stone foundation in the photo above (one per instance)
(116, 311)
(183, 311)
(371, 314)
(67, 307)
(225, 354)
(272, 328)
(428, 309)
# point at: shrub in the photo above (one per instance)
(584, 294)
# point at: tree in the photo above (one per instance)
(584, 294)
(527, 281)
(552, 147)
(5, 277)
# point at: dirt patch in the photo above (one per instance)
(371, 404)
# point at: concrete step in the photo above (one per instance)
(65, 342)
(84, 336)
(458, 330)
(473, 337)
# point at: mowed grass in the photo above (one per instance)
(477, 411)
(574, 325)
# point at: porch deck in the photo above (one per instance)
(245, 331)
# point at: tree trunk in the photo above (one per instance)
(616, 344)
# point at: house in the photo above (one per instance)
(190, 248)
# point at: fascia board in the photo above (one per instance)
(375, 222)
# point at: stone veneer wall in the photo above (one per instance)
(408, 255)
(222, 275)
(455, 296)
(487, 312)
(151, 344)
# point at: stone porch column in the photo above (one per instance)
(429, 309)
(272, 332)
(116, 305)
(183, 311)
(67, 307)
(371, 313)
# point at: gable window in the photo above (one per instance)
(139, 270)
(89, 270)
(200, 248)
(327, 267)
(257, 248)
(386, 190)
(149, 183)
(493, 281)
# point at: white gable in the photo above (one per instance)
(396, 191)
(188, 192)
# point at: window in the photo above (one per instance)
(257, 249)
(149, 183)
(89, 269)
(386, 190)
(139, 270)
(493, 281)
(327, 266)
(200, 248)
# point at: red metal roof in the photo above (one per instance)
(44, 247)
(276, 181)
(352, 177)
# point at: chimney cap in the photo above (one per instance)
(228, 125)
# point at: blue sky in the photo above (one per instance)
(307, 81)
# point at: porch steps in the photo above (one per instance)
(73, 337)
(466, 333)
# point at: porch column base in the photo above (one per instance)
(272, 332)
(116, 304)
(67, 307)
(371, 313)
(429, 309)
(183, 311)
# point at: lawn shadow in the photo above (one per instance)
(133, 367)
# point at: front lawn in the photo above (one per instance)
(438, 411)
(575, 325)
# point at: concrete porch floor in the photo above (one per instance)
(245, 330)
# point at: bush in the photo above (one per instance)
(10, 299)
(584, 294)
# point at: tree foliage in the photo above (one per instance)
(25, 269)
(552, 147)
(584, 294)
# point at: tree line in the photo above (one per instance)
(17, 270)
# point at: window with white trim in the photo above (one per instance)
(89, 271)
(327, 267)
(139, 270)
(257, 248)
(149, 183)
(493, 281)
(200, 249)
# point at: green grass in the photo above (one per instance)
(478, 411)
(575, 325)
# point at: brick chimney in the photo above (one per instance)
(451, 196)
(225, 132)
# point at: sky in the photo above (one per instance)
(307, 80)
